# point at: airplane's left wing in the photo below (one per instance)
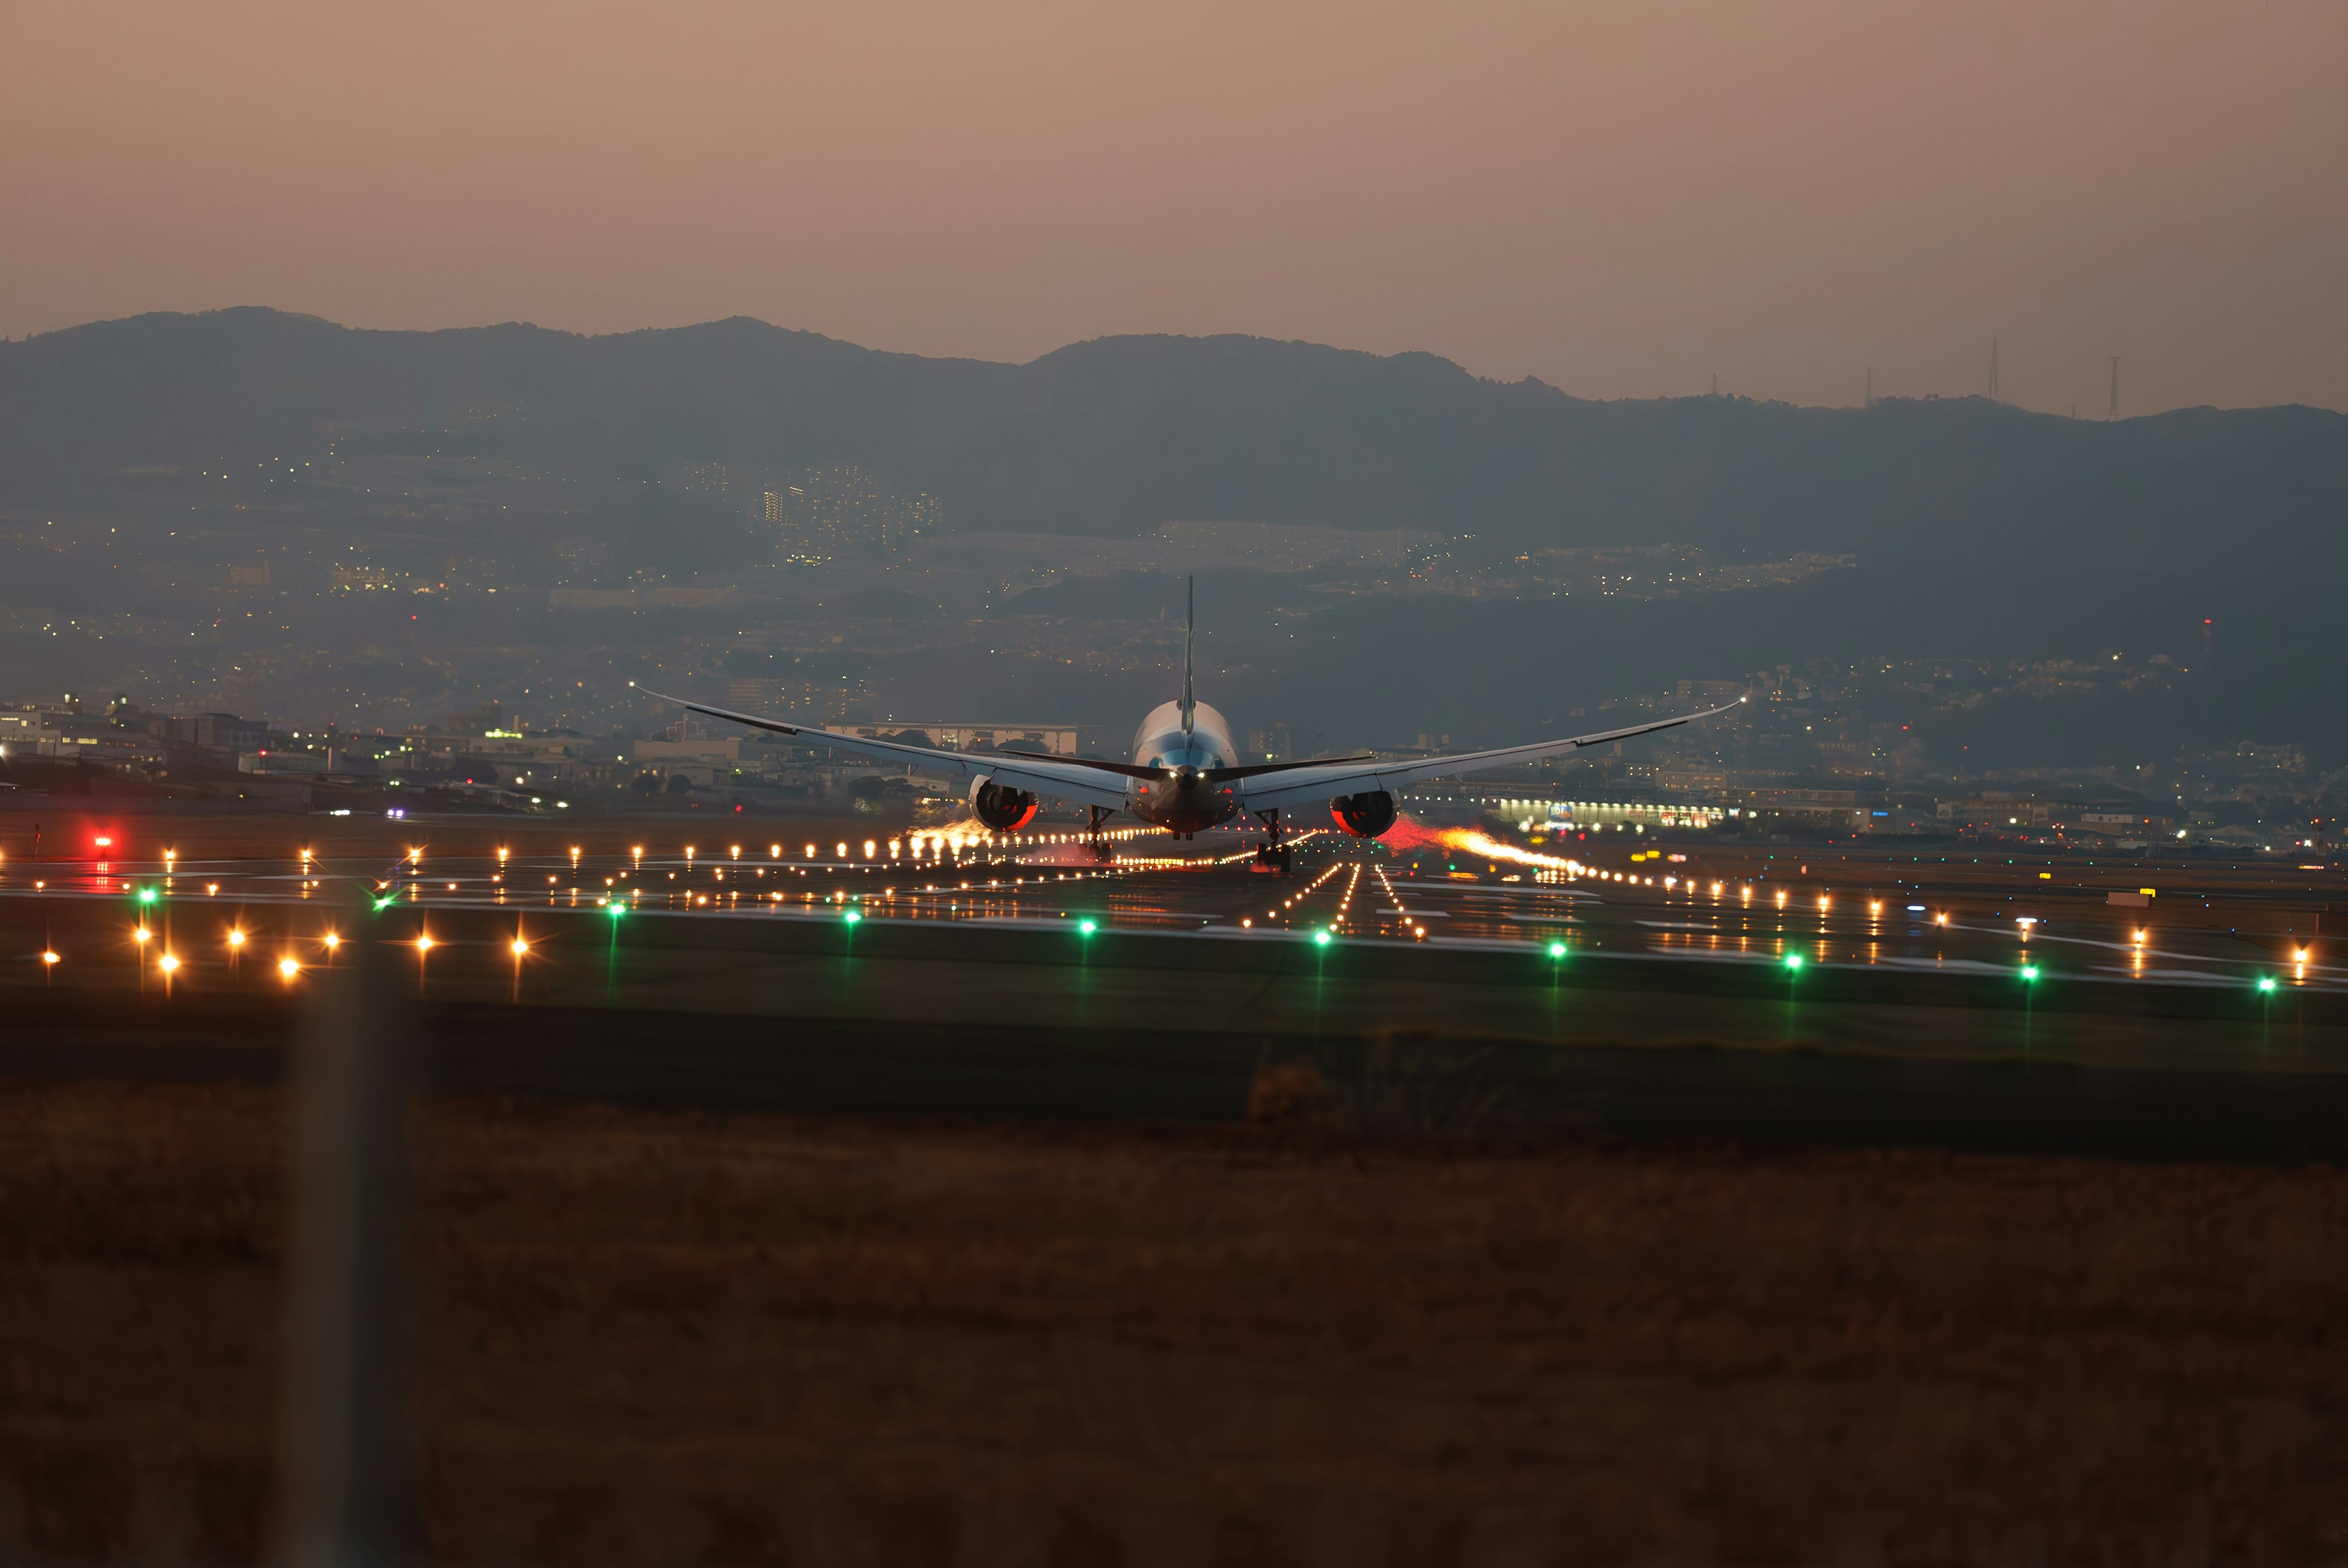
(1308, 784)
(1082, 781)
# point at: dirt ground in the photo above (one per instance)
(652, 1339)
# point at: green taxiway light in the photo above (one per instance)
(2030, 971)
(853, 916)
(1557, 949)
(1793, 960)
(1320, 938)
(1085, 928)
(381, 905)
(2266, 982)
(146, 894)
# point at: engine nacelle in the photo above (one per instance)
(1364, 816)
(1001, 807)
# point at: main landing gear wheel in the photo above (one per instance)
(1272, 855)
(1100, 813)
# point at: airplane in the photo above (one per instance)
(1186, 776)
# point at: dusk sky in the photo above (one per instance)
(1621, 200)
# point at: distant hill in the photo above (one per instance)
(1116, 436)
(2218, 538)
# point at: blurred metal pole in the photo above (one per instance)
(345, 1461)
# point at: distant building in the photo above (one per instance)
(1286, 743)
(1994, 811)
(839, 509)
(809, 700)
(1060, 740)
(363, 578)
(218, 731)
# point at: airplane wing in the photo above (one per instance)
(1319, 783)
(1085, 781)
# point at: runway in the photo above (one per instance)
(1841, 998)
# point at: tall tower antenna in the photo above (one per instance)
(2115, 413)
(1993, 372)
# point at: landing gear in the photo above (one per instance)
(1272, 855)
(1100, 813)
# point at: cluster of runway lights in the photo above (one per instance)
(937, 848)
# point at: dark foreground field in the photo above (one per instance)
(665, 1337)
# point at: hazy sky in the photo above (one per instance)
(1620, 198)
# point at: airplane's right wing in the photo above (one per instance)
(1082, 781)
(1307, 784)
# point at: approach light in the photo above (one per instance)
(168, 963)
(519, 947)
(50, 959)
(333, 941)
(141, 933)
(236, 938)
(288, 968)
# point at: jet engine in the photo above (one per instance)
(1001, 807)
(1364, 816)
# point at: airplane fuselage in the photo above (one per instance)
(1187, 801)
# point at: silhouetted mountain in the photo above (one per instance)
(1118, 435)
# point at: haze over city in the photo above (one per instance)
(1623, 200)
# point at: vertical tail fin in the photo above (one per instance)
(1189, 629)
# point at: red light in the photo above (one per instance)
(104, 842)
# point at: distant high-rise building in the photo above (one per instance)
(1868, 402)
(1993, 372)
(2115, 413)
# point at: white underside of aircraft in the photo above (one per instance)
(1186, 774)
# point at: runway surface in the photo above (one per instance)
(1823, 995)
